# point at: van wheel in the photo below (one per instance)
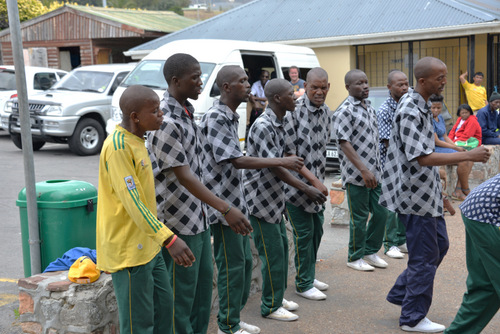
(16, 139)
(87, 138)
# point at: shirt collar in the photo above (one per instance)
(226, 110)
(310, 106)
(178, 108)
(274, 119)
(357, 102)
(420, 102)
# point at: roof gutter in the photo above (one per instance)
(399, 36)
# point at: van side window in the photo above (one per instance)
(44, 81)
(119, 78)
(215, 91)
(302, 74)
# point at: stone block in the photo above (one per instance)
(59, 286)
(30, 283)
(82, 313)
(31, 327)
(50, 308)
(26, 303)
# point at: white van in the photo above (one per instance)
(212, 55)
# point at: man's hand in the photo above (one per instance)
(181, 253)
(479, 154)
(238, 222)
(369, 178)
(315, 195)
(294, 163)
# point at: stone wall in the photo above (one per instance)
(51, 304)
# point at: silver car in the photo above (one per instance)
(74, 111)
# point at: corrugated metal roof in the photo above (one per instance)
(284, 20)
(164, 21)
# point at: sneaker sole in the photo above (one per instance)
(395, 256)
(360, 269)
(411, 329)
(375, 265)
(321, 298)
(282, 319)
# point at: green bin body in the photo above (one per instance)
(66, 219)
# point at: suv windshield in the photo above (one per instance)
(87, 81)
(149, 73)
(7, 80)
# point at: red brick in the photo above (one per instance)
(59, 286)
(30, 282)
(26, 304)
(31, 327)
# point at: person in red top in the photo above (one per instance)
(466, 127)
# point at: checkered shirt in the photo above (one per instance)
(407, 187)
(307, 132)
(358, 126)
(220, 128)
(177, 143)
(385, 119)
(483, 202)
(264, 191)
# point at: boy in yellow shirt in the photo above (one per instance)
(476, 94)
(129, 235)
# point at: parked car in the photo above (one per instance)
(377, 96)
(38, 79)
(74, 111)
(213, 55)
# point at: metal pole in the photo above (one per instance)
(29, 167)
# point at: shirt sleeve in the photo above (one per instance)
(384, 123)
(262, 140)
(222, 141)
(290, 134)
(166, 145)
(415, 142)
(128, 188)
(342, 125)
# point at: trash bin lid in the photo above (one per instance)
(61, 194)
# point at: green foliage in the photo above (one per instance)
(16, 313)
(28, 9)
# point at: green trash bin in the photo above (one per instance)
(66, 219)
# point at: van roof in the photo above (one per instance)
(220, 48)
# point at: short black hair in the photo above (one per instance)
(466, 107)
(479, 73)
(178, 65)
(436, 98)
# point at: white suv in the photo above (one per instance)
(74, 110)
(38, 79)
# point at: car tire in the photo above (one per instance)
(88, 137)
(16, 139)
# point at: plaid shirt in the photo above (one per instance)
(385, 119)
(483, 202)
(220, 128)
(407, 187)
(264, 191)
(177, 143)
(307, 133)
(358, 126)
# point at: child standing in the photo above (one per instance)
(129, 236)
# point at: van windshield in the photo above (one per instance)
(149, 73)
(7, 80)
(88, 81)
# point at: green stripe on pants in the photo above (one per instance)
(272, 243)
(307, 231)
(482, 299)
(233, 259)
(144, 297)
(192, 286)
(365, 239)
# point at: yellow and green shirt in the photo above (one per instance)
(128, 231)
(476, 95)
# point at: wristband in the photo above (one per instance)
(227, 210)
(171, 242)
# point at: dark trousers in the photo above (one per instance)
(427, 242)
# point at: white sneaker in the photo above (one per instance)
(395, 253)
(403, 248)
(312, 294)
(289, 305)
(282, 315)
(375, 261)
(320, 285)
(424, 326)
(240, 331)
(360, 265)
(249, 328)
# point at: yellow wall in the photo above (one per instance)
(337, 61)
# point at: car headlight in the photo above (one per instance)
(54, 111)
(116, 114)
(8, 107)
